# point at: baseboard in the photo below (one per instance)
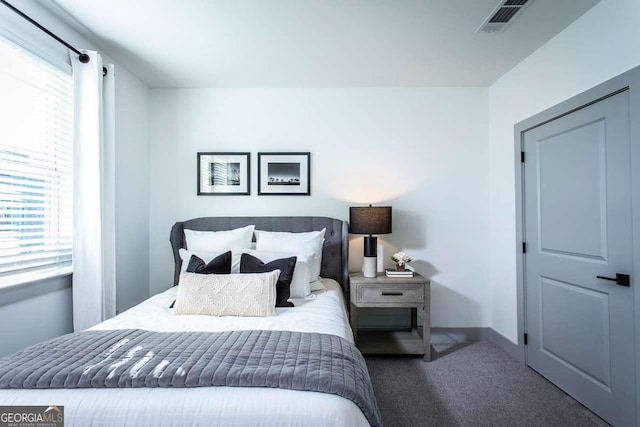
(505, 344)
(469, 334)
(483, 334)
(463, 334)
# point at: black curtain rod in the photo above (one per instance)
(83, 57)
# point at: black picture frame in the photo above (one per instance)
(284, 174)
(224, 174)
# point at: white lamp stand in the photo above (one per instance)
(369, 267)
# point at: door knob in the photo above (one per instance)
(620, 279)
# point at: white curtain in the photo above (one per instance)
(94, 272)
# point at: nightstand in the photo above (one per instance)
(382, 291)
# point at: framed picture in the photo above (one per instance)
(284, 174)
(223, 174)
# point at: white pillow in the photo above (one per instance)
(300, 283)
(250, 295)
(303, 244)
(317, 286)
(205, 256)
(219, 241)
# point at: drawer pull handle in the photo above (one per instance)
(392, 293)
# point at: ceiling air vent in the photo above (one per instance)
(503, 15)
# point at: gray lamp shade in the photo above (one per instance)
(370, 219)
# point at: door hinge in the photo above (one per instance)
(522, 157)
(524, 247)
(526, 339)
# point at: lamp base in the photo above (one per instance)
(370, 246)
(380, 259)
(370, 266)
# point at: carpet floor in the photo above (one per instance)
(471, 384)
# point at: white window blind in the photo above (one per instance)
(36, 164)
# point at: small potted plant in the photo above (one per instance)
(401, 259)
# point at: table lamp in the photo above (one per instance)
(370, 220)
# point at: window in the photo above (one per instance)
(36, 164)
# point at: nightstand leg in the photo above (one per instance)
(354, 322)
(414, 320)
(426, 325)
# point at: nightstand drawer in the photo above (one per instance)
(391, 293)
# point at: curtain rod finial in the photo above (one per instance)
(84, 58)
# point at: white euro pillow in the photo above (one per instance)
(317, 286)
(300, 283)
(206, 256)
(235, 240)
(301, 244)
(247, 295)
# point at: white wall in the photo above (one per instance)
(35, 319)
(132, 190)
(600, 45)
(422, 151)
(36, 312)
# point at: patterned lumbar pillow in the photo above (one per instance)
(251, 295)
(251, 264)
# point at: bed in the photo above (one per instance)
(322, 314)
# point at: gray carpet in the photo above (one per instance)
(471, 384)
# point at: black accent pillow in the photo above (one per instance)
(219, 265)
(251, 264)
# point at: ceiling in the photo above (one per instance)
(313, 43)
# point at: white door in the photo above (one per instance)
(577, 195)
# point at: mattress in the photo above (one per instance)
(323, 312)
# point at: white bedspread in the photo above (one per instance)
(323, 312)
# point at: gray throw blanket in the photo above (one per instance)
(136, 358)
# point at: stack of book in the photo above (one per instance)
(395, 273)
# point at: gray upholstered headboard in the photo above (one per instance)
(335, 252)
